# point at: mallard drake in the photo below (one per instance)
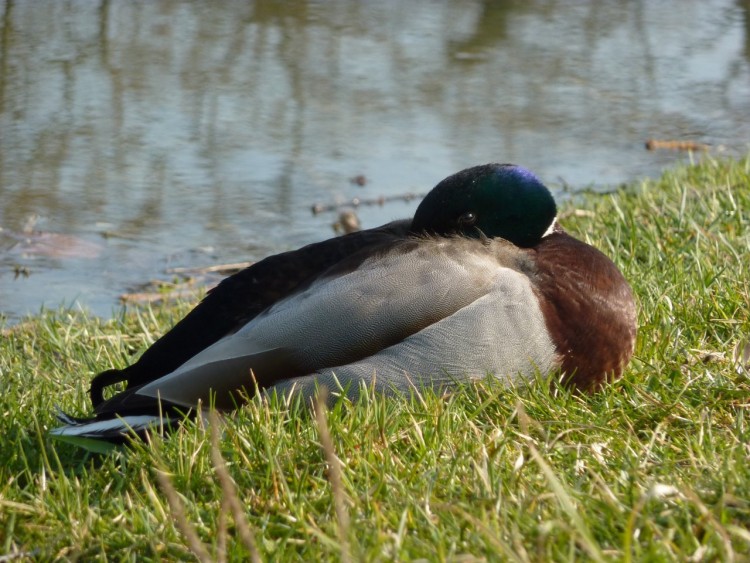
(481, 281)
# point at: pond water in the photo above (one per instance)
(140, 136)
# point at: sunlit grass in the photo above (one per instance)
(655, 467)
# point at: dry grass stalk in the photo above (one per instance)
(334, 474)
(178, 510)
(221, 532)
(567, 503)
(229, 491)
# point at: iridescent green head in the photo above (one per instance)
(497, 200)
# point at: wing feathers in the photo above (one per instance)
(341, 320)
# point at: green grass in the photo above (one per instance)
(656, 467)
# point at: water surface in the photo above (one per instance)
(176, 133)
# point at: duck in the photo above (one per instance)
(481, 282)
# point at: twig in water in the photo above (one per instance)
(318, 208)
(655, 144)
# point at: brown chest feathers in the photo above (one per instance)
(588, 308)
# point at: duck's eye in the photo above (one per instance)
(467, 219)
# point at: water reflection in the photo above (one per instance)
(192, 133)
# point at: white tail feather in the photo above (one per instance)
(120, 426)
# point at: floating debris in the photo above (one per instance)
(359, 180)
(348, 222)
(20, 272)
(656, 144)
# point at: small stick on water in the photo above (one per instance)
(318, 208)
(655, 144)
(334, 474)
